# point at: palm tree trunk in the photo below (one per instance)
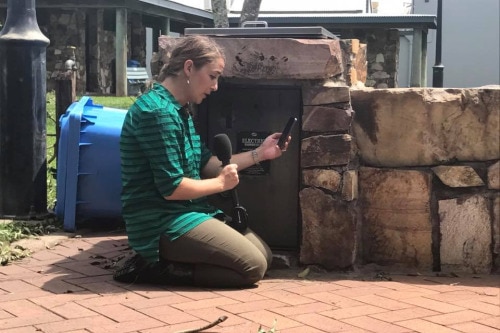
(219, 10)
(250, 11)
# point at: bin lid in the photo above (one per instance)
(314, 32)
(67, 167)
(88, 146)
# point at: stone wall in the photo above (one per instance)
(429, 177)
(382, 55)
(63, 27)
(406, 177)
(323, 69)
(93, 42)
(329, 181)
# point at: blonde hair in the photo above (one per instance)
(200, 49)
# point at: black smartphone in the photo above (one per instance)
(286, 132)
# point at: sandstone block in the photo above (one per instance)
(326, 119)
(327, 93)
(350, 185)
(360, 67)
(355, 62)
(326, 150)
(426, 126)
(494, 176)
(496, 233)
(328, 230)
(396, 219)
(276, 58)
(165, 46)
(327, 179)
(465, 235)
(458, 176)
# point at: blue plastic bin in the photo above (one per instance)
(88, 163)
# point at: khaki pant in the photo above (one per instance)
(222, 256)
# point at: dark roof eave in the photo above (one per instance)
(170, 5)
(353, 21)
(152, 7)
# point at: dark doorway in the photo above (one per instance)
(247, 114)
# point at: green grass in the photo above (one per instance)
(114, 102)
(51, 141)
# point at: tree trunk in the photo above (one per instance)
(250, 11)
(219, 11)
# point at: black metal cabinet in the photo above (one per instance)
(247, 114)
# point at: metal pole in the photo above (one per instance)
(438, 68)
(23, 161)
(121, 52)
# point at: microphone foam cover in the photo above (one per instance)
(222, 147)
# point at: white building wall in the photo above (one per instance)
(308, 6)
(404, 61)
(470, 42)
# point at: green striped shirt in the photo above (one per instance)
(159, 147)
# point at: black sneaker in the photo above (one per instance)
(131, 269)
(137, 270)
(169, 273)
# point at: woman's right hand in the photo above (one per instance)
(229, 177)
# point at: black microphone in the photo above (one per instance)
(223, 151)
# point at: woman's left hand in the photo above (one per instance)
(269, 149)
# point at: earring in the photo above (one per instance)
(188, 81)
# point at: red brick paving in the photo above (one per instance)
(69, 288)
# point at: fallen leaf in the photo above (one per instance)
(304, 273)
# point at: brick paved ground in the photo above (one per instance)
(68, 288)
